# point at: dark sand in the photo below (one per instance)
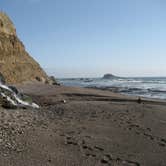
(93, 128)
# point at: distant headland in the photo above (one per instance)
(109, 76)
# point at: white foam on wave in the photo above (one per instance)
(152, 87)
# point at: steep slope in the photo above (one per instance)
(16, 65)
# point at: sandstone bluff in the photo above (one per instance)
(16, 65)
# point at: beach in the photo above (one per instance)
(94, 91)
(83, 127)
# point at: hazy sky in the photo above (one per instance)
(76, 38)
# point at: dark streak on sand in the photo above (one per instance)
(91, 97)
(92, 128)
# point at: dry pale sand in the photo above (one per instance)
(92, 128)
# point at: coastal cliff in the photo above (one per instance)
(16, 65)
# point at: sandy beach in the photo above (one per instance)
(83, 127)
(82, 83)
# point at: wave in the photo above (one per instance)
(157, 91)
(151, 87)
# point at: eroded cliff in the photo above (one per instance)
(16, 65)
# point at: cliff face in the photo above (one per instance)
(16, 65)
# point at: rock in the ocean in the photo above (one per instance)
(109, 76)
(53, 81)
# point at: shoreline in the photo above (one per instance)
(143, 87)
(92, 127)
(135, 97)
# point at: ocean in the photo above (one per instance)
(150, 87)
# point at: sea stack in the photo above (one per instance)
(109, 76)
(16, 65)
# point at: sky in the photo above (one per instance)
(88, 38)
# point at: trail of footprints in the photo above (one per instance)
(125, 120)
(98, 153)
(147, 133)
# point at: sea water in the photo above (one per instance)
(151, 87)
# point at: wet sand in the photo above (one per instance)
(83, 127)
